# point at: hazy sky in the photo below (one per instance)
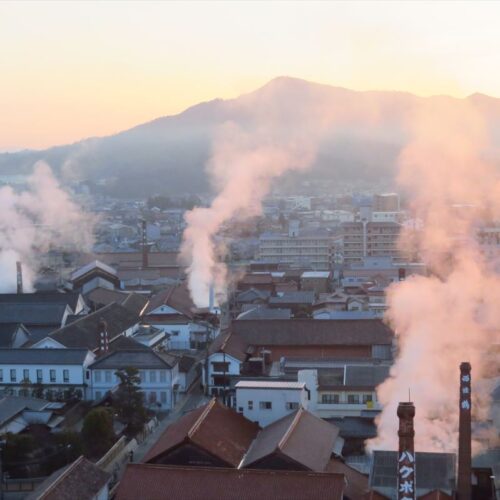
(69, 70)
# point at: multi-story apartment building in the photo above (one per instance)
(312, 249)
(369, 239)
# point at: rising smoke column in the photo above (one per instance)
(454, 314)
(35, 220)
(270, 140)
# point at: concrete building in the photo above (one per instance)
(369, 239)
(309, 249)
(316, 281)
(265, 401)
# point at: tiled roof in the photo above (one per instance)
(231, 344)
(157, 482)
(138, 358)
(32, 313)
(69, 298)
(301, 436)
(7, 331)
(357, 483)
(269, 384)
(215, 428)
(80, 480)
(43, 356)
(135, 302)
(84, 331)
(299, 297)
(309, 332)
(176, 296)
(265, 313)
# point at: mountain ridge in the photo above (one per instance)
(178, 146)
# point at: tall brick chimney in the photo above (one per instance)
(464, 434)
(103, 339)
(406, 454)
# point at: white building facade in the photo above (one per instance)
(267, 401)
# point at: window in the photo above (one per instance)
(97, 376)
(250, 405)
(163, 397)
(175, 333)
(152, 377)
(353, 399)
(329, 399)
(1, 375)
(163, 376)
(240, 409)
(52, 376)
(265, 405)
(39, 376)
(107, 376)
(26, 374)
(367, 398)
(219, 366)
(66, 376)
(13, 376)
(292, 406)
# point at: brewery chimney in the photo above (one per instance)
(19, 270)
(103, 340)
(464, 434)
(406, 454)
(145, 258)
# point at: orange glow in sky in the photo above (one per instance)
(71, 70)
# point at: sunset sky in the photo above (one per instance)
(71, 70)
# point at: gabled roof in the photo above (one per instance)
(90, 267)
(141, 359)
(7, 332)
(157, 482)
(252, 294)
(215, 428)
(10, 406)
(135, 302)
(50, 314)
(357, 483)
(299, 297)
(69, 298)
(82, 479)
(43, 356)
(265, 313)
(84, 331)
(176, 296)
(231, 344)
(313, 332)
(300, 436)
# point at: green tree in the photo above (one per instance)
(38, 391)
(97, 432)
(128, 400)
(26, 387)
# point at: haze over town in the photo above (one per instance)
(250, 244)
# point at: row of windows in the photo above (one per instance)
(107, 376)
(268, 405)
(32, 376)
(149, 397)
(352, 399)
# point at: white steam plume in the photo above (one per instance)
(34, 221)
(245, 159)
(454, 314)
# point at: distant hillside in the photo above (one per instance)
(169, 154)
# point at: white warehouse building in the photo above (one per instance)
(267, 401)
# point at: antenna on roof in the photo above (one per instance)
(409, 395)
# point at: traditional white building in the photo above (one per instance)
(265, 401)
(57, 371)
(158, 373)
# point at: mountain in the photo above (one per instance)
(169, 154)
